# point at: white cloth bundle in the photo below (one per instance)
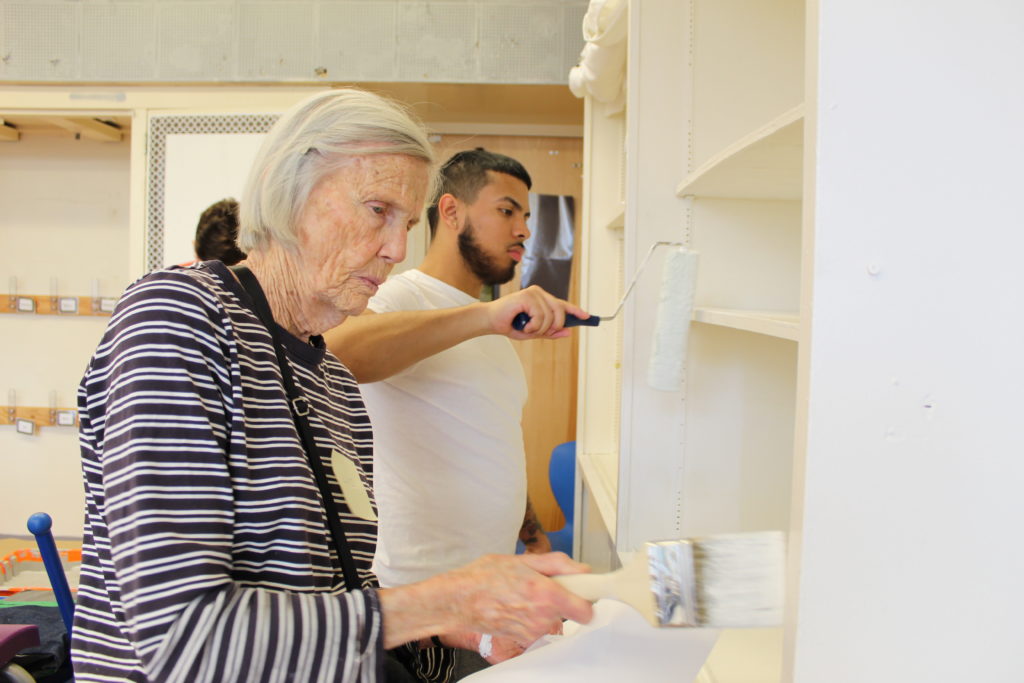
(601, 72)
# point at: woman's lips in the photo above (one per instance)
(372, 281)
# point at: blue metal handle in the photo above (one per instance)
(40, 524)
(519, 322)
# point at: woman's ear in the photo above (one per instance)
(448, 210)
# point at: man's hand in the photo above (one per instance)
(547, 314)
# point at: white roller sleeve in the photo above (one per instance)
(672, 325)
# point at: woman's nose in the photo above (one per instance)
(394, 247)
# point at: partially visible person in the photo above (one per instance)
(215, 541)
(217, 233)
(445, 389)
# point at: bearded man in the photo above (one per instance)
(444, 387)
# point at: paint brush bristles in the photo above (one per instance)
(727, 581)
(740, 579)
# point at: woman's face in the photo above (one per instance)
(354, 226)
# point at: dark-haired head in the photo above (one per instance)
(465, 173)
(217, 233)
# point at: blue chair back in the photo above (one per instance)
(41, 525)
(562, 475)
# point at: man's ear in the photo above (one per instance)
(448, 210)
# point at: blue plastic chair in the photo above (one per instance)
(562, 475)
(41, 525)
(17, 637)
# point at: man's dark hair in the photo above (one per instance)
(465, 173)
(217, 233)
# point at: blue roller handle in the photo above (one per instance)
(40, 524)
(519, 322)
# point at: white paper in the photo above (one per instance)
(617, 645)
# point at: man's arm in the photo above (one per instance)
(532, 534)
(375, 346)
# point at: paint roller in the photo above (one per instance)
(672, 326)
(675, 308)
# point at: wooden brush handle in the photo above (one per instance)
(590, 587)
(631, 585)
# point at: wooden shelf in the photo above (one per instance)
(766, 164)
(41, 304)
(101, 127)
(601, 472)
(38, 416)
(779, 324)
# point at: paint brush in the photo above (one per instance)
(725, 581)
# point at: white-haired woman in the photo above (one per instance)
(230, 522)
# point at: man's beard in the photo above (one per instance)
(482, 265)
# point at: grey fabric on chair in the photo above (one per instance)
(50, 652)
(15, 638)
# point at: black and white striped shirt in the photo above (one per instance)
(207, 556)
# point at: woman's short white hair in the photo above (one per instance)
(311, 140)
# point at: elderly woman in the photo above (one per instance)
(230, 521)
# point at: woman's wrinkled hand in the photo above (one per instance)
(510, 596)
(507, 596)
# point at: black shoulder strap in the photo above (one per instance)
(300, 411)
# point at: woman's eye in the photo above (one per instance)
(379, 210)
(505, 212)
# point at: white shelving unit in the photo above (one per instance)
(771, 323)
(814, 154)
(765, 164)
(600, 471)
(715, 160)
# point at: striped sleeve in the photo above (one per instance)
(161, 406)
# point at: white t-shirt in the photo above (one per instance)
(449, 463)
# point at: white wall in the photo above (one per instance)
(460, 41)
(201, 170)
(911, 552)
(63, 215)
